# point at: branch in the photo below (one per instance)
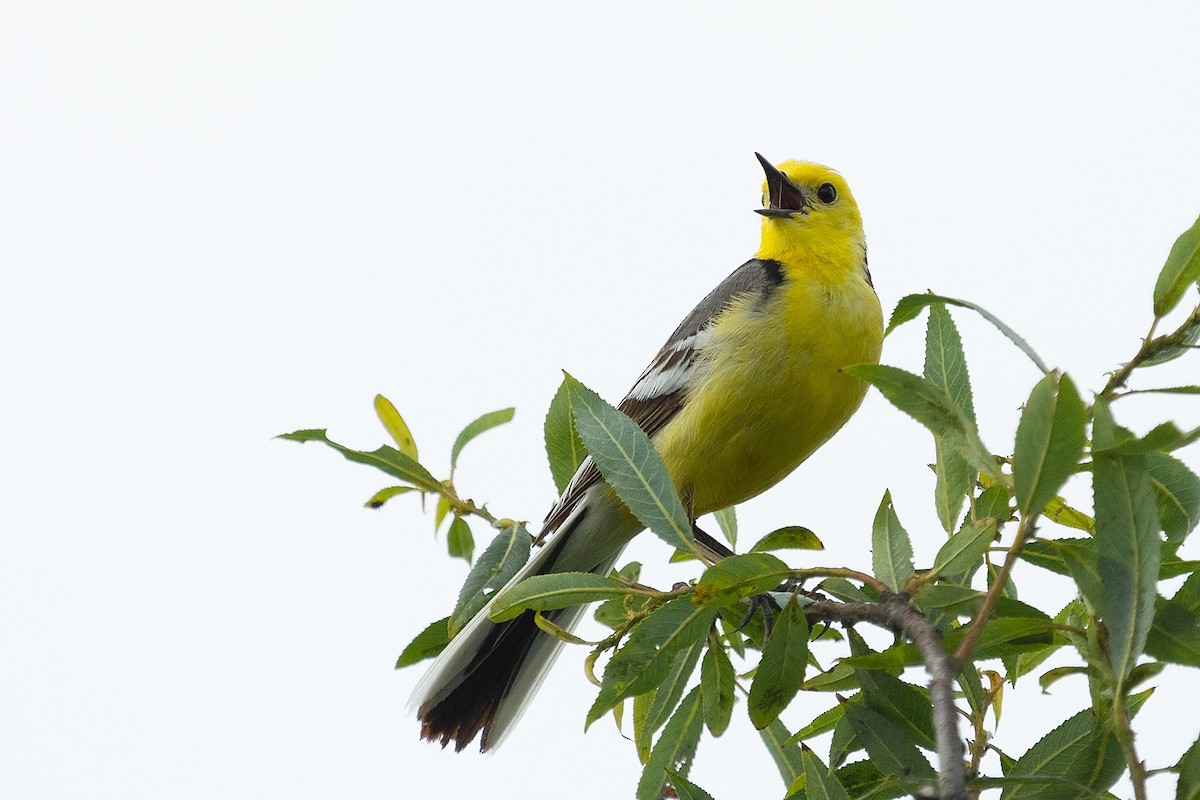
(895, 614)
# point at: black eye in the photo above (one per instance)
(826, 193)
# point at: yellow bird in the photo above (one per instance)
(746, 388)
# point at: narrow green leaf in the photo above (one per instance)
(1175, 633)
(631, 466)
(644, 660)
(888, 748)
(396, 427)
(933, 408)
(1167, 390)
(908, 707)
(1181, 270)
(564, 449)
(786, 756)
(862, 780)
(946, 368)
(459, 540)
(669, 692)
(727, 521)
(910, 306)
(1189, 774)
(685, 789)
(427, 644)
(737, 577)
(1177, 492)
(1080, 756)
(484, 423)
(386, 459)
(818, 781)
(500, 561)
(824, 722)
(674, 749)
(781, 670)
(555, 590)
(954, 477)
(964, 550)
(717, 689)
(1050, 439)
(1182, 340)
(1127, 544)
(791, 537)
(891, 550)
(387, 493)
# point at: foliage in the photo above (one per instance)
(682, 657)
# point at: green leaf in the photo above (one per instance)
(932, 407)
(908, 707)
(631, 466)
(717, 689)
(862, 780)
(685, 789)
(1181, 270)
(1167, 390)
(1127, 544)
(386, 459)
(910, 306)
(396, 427)
(1078, 759)
(460, 541)
(383, 495)
(1175, 633)
(786, 756)
(963, 551)
(555, 590)
(727, 521)
(427, 644)
(501, 560)
(887, 747)
(1177, 492)
(1189, 774)
(644, 660)
(780, 672)
(891, 550)
(824, 722)
(946, 367)
(668, 693)
(1050, 439)
(674, 749)
(992, 503)
(737, 577)
(1169, 348)
(818, 782)
(790, 537)
(484, 423)
(564, 449)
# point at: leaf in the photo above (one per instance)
(790, 537)
(1168, 348)
(825, 722)
(1080, 756)
(631, 466)
(887, 747)
(964, 550)
(396, 427)
(1181, 270)
(459, 540)
(644, 660)
(386, 459)
(1177, 493)
(862, 780)
(736, 577)
(1189, 774)
(727, 521)
(891, 550)
(1175, 632)
(1167, 390)
(501, 560)
(717, 689)
(1127, 544)
(564, 449)
(908, 707)
(910, 306)
(668, 693)
(933, 408)
(674, 749)
(484, 423)
(818, 782)
(946, 367)
(383, 495)
(427, 644)
(1050, 439)
(780, 672)
(555, 590)
(685, 789)
(786, 756)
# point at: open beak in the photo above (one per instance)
(784, 196)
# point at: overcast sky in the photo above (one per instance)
(225, 221)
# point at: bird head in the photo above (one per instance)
(803, 201)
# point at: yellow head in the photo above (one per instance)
(809, 212)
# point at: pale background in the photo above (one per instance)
(224, 221)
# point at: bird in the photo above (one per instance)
(746, 388)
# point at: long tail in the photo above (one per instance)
(484, 679)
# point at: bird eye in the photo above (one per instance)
(826, 193)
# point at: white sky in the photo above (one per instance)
(225, 221)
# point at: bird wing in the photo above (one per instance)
(660, 391)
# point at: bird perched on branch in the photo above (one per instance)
(746, 388)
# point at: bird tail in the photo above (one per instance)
(482, 682)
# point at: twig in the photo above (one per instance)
(895, 614)
(1025, 532)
